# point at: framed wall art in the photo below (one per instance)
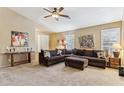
(19, 39)
(86, 41)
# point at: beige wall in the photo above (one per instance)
(53, 40)
(122, 39)
(96, 30)
(122, 44)
(11, 21)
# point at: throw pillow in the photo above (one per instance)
(95, 52)
(59, 52)
(101, 54)
(46, 54)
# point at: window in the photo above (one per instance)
(109, 37)
(43, 42)
(70, 41)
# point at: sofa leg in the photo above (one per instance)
(66, 64)
(40, 63)
(47, 65)
(82, 69)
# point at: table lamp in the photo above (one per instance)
(117, 48)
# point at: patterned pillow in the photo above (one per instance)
(59, 52)
(46, 54)
(101, 54)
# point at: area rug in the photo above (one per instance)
(58, 75)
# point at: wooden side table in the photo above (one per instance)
(114, 62)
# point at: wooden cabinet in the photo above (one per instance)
(114, 62)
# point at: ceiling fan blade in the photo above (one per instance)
(57, 19)
(47, 16)
(47, 10)
(60, 9)
(64, 16)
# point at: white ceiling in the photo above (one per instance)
(80, 17)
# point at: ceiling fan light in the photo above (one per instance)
(55, 15)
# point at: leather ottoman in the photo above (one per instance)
(121, 71)
(75, 62)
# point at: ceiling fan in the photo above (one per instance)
(56, 13)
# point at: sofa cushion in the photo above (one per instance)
(78, 56)
(68, 51)
(68, 55)
(56, 58)
(80, 52)
(53, 53)
(95, 52)
(93, 58)
(88, 53)
(74, 51)
(63, 51)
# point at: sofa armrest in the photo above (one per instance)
(42, 59)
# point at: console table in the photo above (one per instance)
(11, 54)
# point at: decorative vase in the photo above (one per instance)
(13, 49)
(27, 49)
(31, 49)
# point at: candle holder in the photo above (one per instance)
(13, 49)
(27, 49)
(31, 49)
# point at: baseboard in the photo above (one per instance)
(4, 66)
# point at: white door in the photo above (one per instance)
(43, 42)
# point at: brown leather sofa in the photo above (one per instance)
(54, 58)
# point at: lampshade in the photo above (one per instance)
(65, 42)
(116, 46)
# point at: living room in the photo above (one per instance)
(27, 31)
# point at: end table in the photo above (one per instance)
(114, 62)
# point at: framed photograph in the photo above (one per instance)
(19, 39)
